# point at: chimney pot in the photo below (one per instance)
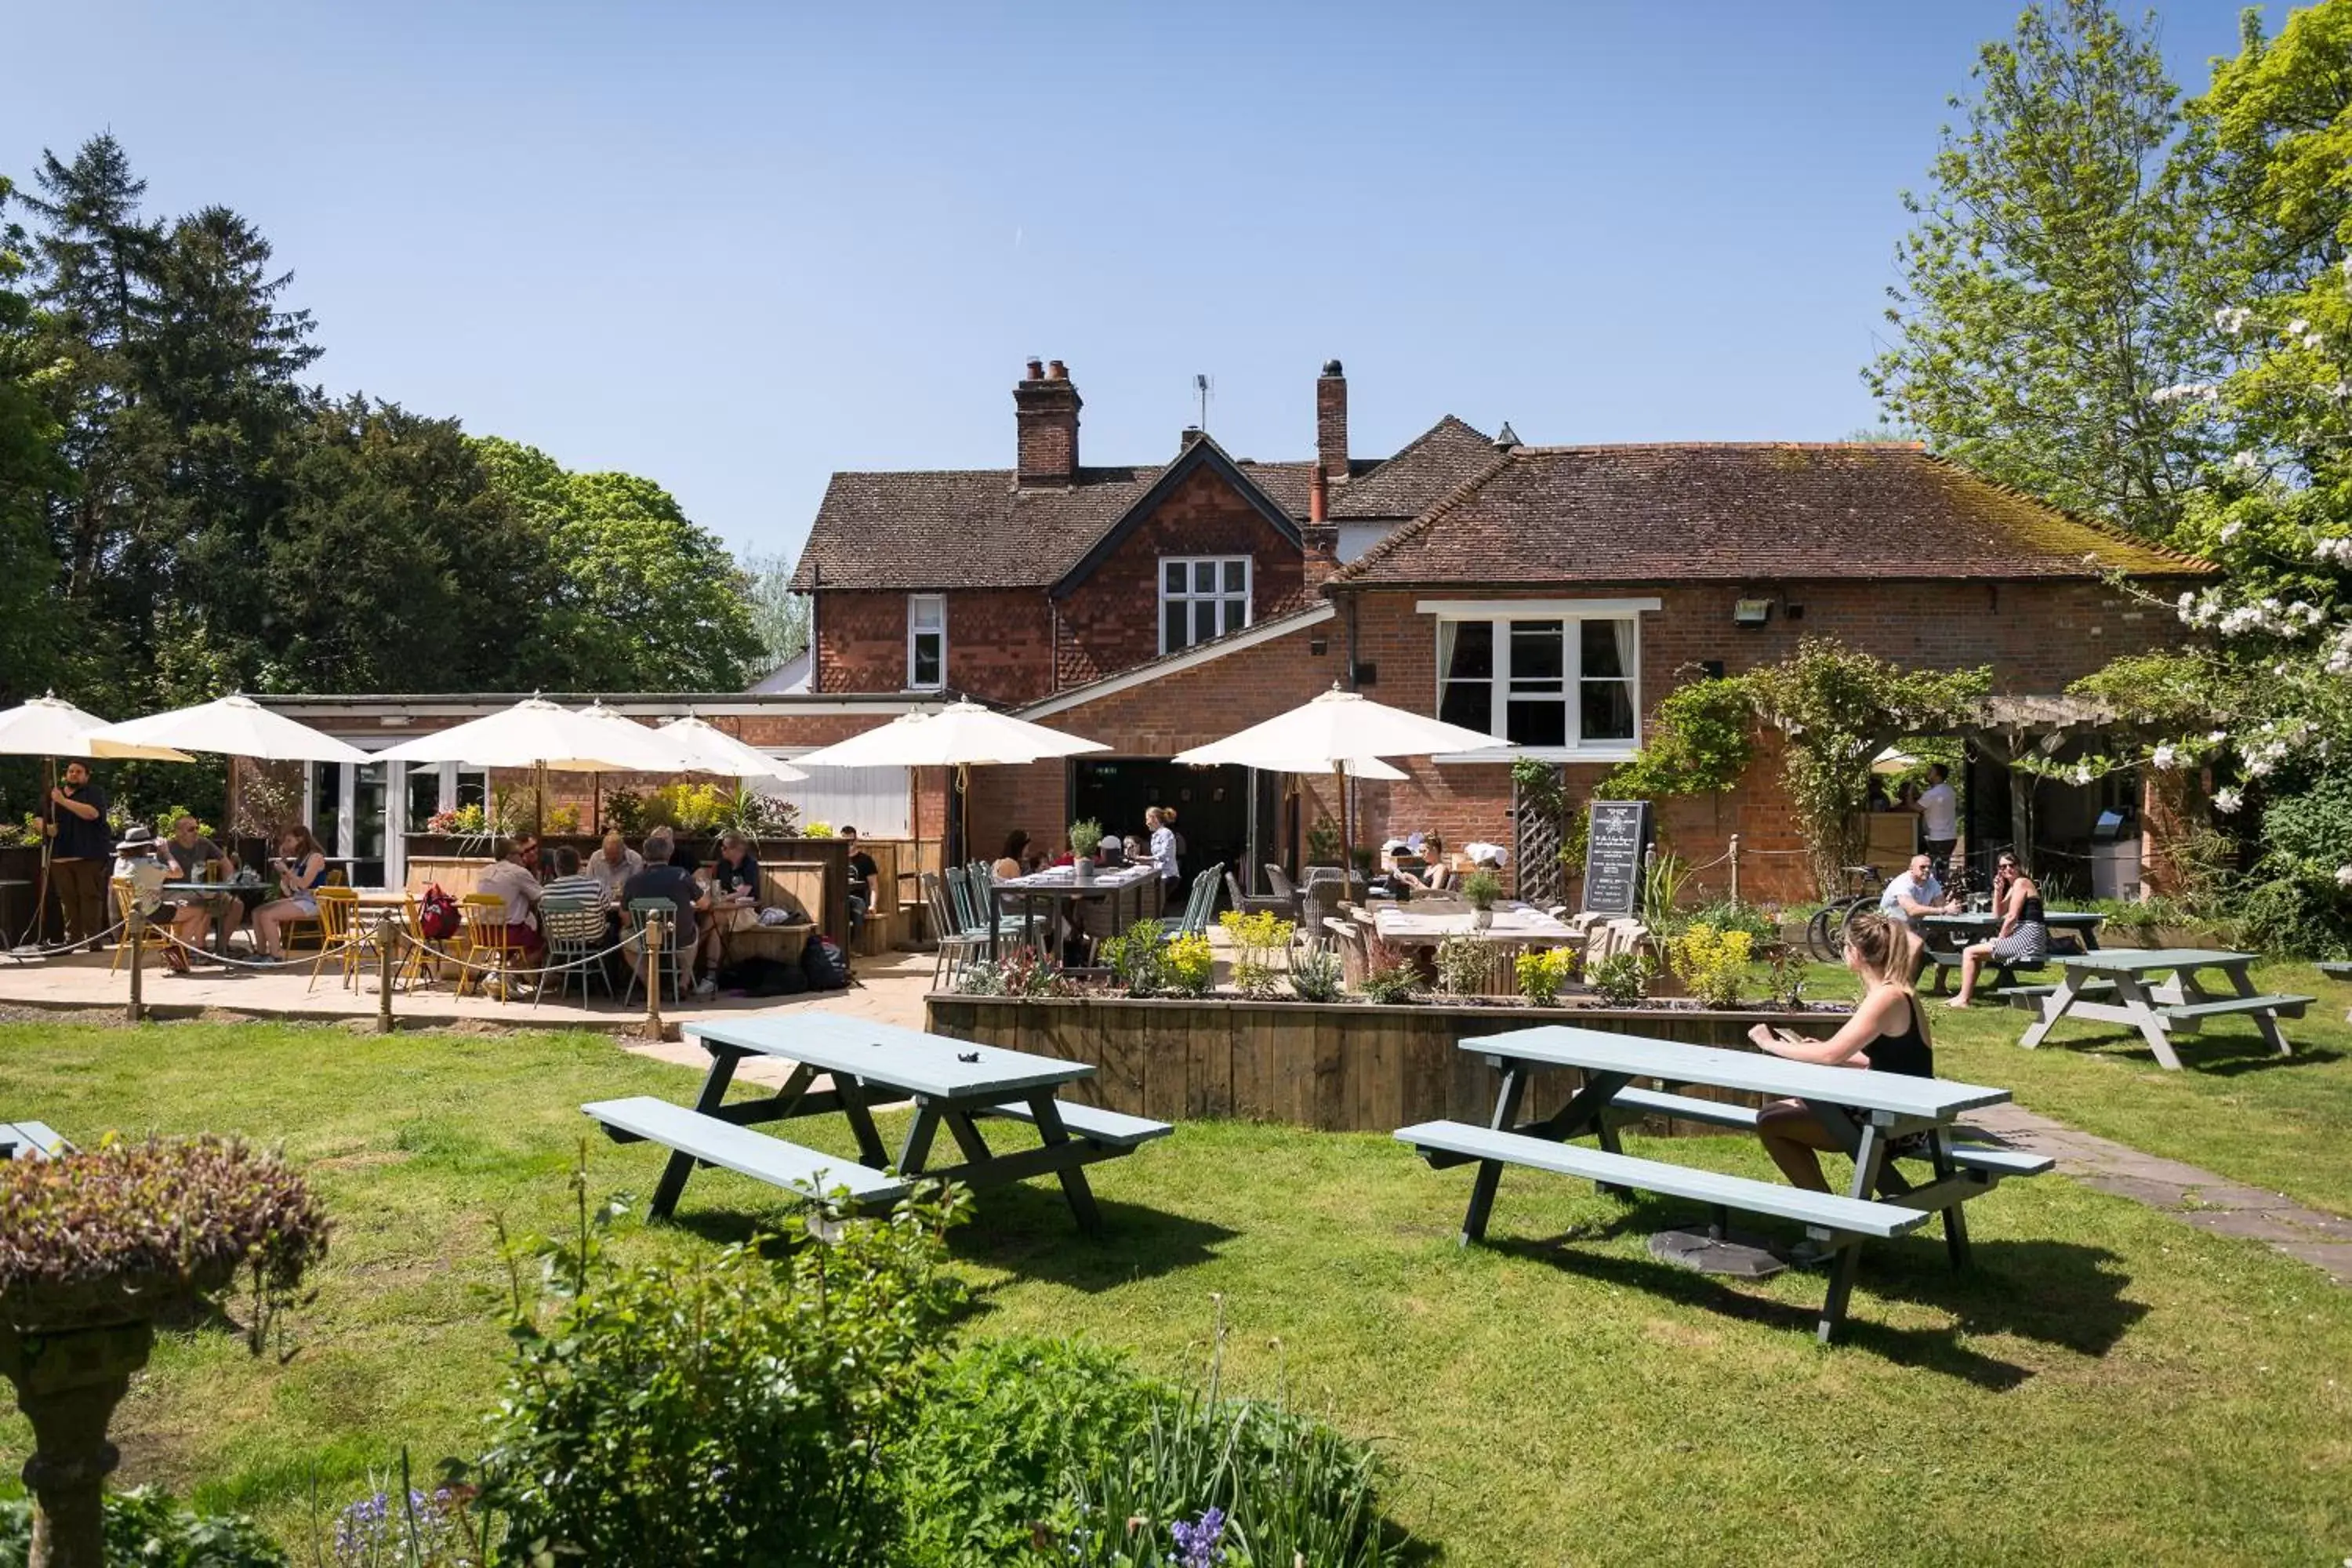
(1045, 405)
(1319, 497)
(1056, 371)
(1192, 434)
(1036, 370)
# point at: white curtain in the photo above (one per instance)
(1624, 634)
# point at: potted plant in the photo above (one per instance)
(1085, 837)
(97, 1246)
(1479, 890)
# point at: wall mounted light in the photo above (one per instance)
(1751, 611)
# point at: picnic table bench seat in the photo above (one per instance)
(1992, 1159)
(2282, 1005)
(31, 1140)
(2337, 968)
(1093, 1123)
(763, 1158)
(1825, 1211)
(2030, 996)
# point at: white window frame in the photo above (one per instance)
(915, 602)
(1248, 593)
(1501, 613)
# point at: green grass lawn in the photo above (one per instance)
(2111, 1386)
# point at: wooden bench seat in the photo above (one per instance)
(2336, 969)
(31, 1140)
(2030, 996)
(1093, 1123)
(2191, 1011)
(1826, 1211)
(741, 1150)
(1992, 1160)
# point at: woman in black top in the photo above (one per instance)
(2023, 937)
(1888, 1033)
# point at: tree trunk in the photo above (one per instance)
(68, 1385)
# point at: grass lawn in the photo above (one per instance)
(2112, 1386)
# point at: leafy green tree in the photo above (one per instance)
(2059, 275)
(646, 599)
(780, 617)
(32, 469)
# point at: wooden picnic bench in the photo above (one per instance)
(867, 1063)
(2338, 968)
(31, 1140)
(2111, 986)
(1878, 1118)
(2070, 931)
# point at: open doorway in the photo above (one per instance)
(1213, 805)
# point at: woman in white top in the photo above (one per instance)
(1164, 848)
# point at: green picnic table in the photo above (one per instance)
(950, 1082)
(31, 1140)
(2113, 986)
(1878, 1118)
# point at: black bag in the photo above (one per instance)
(763, 977)
(823, 963)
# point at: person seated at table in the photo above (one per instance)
(1910, 897)
(612, 865)
(1887, 1032)
(863, 870)
(735, 884)
(1014, 862)
(299, 866)
(2004, 872)
(695, 939)
(515, 881)
(195, 858)
(2023, 937)
(1421, 864)
(570, 881)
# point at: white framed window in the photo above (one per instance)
(1201, 597)
(926, 642)
(1557, 679)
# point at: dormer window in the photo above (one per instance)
(1201, 597)
(926, 642)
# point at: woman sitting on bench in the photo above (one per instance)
(2023, 937)
(1888, 1033)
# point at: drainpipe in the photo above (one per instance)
(817, 666)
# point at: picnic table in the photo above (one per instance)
(1878, 1118)
(950, 1082)
(1058, 888)
(31, 1140)
(2336, 969)
(1948, 934)
(2112, 986)
(1425, 922)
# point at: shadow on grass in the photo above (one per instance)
(2059, 1293)
(2216, 1055)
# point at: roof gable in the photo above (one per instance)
(1744, 511)
(1201, 452)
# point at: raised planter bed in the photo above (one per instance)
(1335, 1067)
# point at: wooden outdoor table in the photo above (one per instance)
(871, 1064)
(1058, 885)
(1948, 934)
(1425, 922)
(214, 895)
(1866, 1114)
(2112, 986)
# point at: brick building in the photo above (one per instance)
(1547, 595)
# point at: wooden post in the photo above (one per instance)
(653, 925)
(135, 932)
(1735, 867)
(383, 938)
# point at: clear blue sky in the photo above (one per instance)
(735, 247)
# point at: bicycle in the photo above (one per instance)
(1825, 933)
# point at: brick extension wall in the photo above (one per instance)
(1000, 643)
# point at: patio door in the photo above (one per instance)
(348, 808)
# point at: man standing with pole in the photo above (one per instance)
(80, 854)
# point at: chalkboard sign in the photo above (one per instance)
(1613, 856)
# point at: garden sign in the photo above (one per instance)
(1613, 856)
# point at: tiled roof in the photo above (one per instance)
(974, 528)
(1744, 511)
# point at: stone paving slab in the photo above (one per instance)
(2197, 1197)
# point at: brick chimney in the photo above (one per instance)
(1046, 411)
(1331, 422)
(1320, 536)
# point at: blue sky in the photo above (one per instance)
(735, 247)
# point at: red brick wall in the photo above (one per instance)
(1111, 621)
(1000, 642)
(2037, 636)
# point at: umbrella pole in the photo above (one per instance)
(596, 804)
(48, 848)
(1347, 825)
(539, 805)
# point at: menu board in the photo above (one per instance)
(1613, 848)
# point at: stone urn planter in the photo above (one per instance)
(94, 1249)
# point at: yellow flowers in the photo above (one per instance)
(1542, 972)
(1712, 964)
(1190, 965)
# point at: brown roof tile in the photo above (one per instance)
(1744, 511)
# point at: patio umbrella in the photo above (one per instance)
(233, 726)
(545, 737)
(705, 748)
(1337, 731)
(962, 736)
(49, 727)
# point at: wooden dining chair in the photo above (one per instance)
(155, 936)
(488, 934)
(342, 938)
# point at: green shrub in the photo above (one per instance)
(1481, 889)
(1390, 977)
(1620, 979)
(1712, 964)
(1085, 837)
(1733, 914)
(1138, 961)
(1464, 962)
(987, 1457)
(1257, 941)
(144, 1526)
(1316, 975)
(1190, 965)
(1541, 973)
(728, 1408)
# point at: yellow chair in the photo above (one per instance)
(154, 937)
(486, 932)
(342, 935)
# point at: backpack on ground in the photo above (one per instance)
(826, 965)
(437, 918)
